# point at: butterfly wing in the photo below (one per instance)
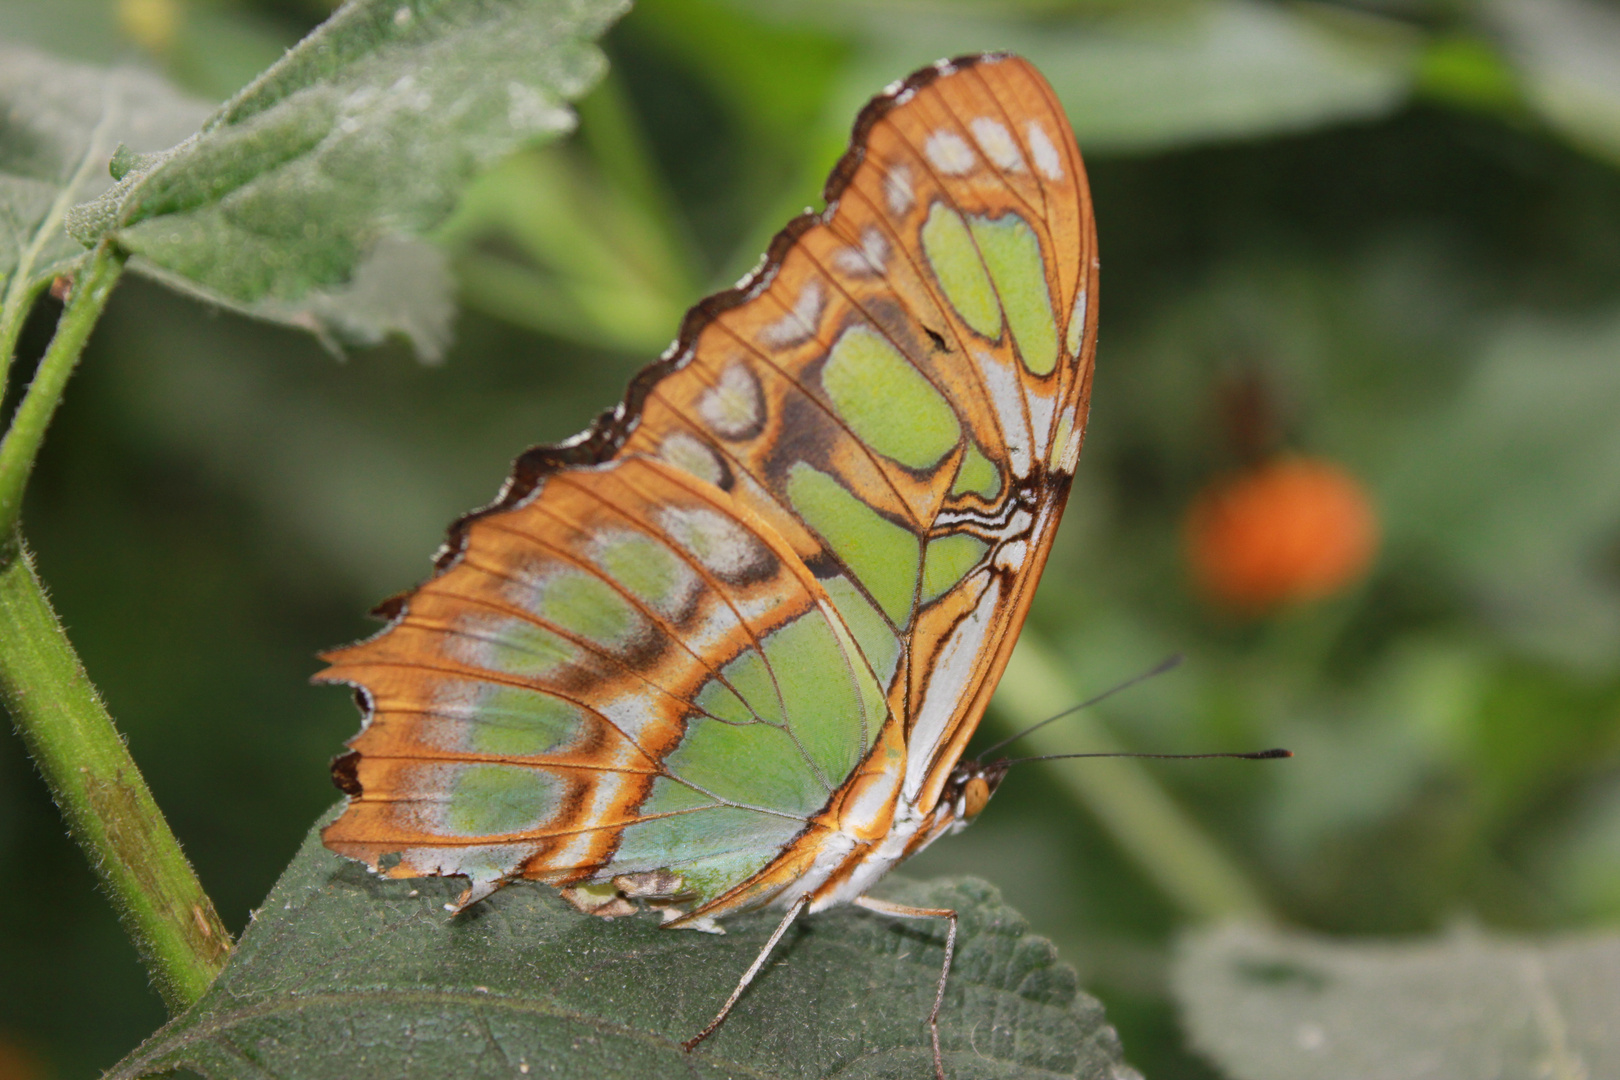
(878, 429)
(902, 389)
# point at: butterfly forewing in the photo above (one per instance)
(885, 417)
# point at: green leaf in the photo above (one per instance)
(1167, 74)
(1514, 483)
(1140, 79)
(1581, 861)
(1567, 55)
(345, 974)
(301, 192)
(598, 268)
(62, 123)
(1233, 69)
(1270, 1005)
(83, 30)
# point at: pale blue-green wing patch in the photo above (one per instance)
(955, 263)
(977, 475)
(886, 401)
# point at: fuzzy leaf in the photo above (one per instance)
(60, 125)
(343, 974)
(1268, 1005)
(296, 199)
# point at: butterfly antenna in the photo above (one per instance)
(1160, 668)
(1251, 755)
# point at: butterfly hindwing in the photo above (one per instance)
(626, 673)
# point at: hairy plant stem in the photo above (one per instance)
(108, 807)
(1167, 845)
(22, 440)
(15, 305)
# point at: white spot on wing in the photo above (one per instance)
(869, 259)
(1010, 556)
(1007, 394)
(754, 609)
(526, 587)
(897, 189)
(734, 407)
(635, 711)
(1041, 409)
(799, 324)
(1065, 452)
(1077, 325)
(1046, 155)
(949, 153)
(718, 542)
(604, 797)
(1071, 450)
(953, 671)
(997, 143)
(715, 627)
(692, 454)
(455, 712)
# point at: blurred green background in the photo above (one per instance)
(1393, 228)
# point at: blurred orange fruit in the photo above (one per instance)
(1287, 530)
(17, 1062)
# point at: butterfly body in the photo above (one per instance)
(909, 832)
(725, 649)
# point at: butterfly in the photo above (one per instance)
(725, 648)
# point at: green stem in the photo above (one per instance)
(612, 131)
(1157, 835)
(108, 807)
(14, 308)
(21, 443)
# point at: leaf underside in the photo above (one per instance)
(363, 136)
(61, 123)
(1269, 1005)
(345, 974)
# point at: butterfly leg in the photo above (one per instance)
(906, 911)
(748, 976)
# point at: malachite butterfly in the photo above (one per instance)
(725, 648)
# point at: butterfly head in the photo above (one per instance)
(969, 789)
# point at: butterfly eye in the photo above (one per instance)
(974, 797)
